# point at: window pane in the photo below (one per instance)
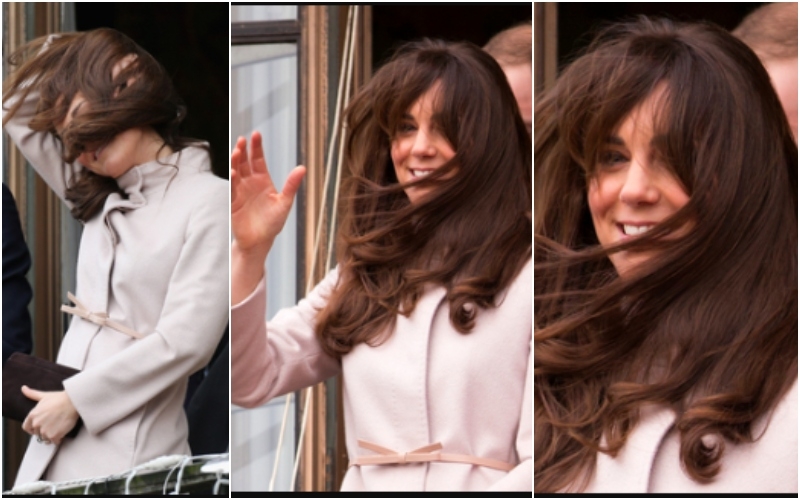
(244, 13)
(264, 97)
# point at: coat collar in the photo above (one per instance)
(142, 181)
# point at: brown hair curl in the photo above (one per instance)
(709, 326)
(60, 66)
(472, 234)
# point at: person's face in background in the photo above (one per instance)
(521, 81)
(784, 79)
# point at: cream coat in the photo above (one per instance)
(425, 384)
(650, 460)
(157, 262)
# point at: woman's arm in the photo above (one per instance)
(41, 149)
(288, 358)
(272, 358)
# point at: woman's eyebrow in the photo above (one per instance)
(614, 140)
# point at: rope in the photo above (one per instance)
(280, 441)
(342, 100)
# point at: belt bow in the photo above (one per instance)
(428, 453)
(98, 318)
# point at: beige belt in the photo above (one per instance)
(98, 318)
(429, 453)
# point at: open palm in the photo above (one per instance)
(258, 210)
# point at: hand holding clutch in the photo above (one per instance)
(40, 374)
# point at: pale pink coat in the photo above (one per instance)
(650, 460)
(157, 262)
(425, 384)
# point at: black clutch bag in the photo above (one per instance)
(39, 374)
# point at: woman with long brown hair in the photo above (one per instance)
(666, 269)
(428, 313)
(98, 118)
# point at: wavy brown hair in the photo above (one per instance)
(472, 234)
(74, 62)
(709, 326)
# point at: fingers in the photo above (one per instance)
(52, 417)
(27, 426)
(32, 394)
(239, 158)
(234, 186)
(245, 163)
(31, 427)
(293, 182)
(122, 64)
(257, 160)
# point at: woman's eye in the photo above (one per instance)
(405, 127)
(610, 158)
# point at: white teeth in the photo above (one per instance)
(635, 230)
(419, 173)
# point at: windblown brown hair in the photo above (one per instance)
(708, 326)
(74, 62)
(471, 234)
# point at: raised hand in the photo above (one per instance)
(119, 67)
(258, 211)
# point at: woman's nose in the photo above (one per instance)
(638, 187)
(86, 158)
(423, 145)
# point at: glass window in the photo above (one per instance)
(264, 87)
(246, 13)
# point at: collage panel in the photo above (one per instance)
(115, 248)
(312, 305)
(665, 249)
(412, 199)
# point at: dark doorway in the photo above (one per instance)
(393, 24)
(191, 41)
(577, 22)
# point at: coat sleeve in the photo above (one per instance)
(41, 149)
(188, 331)
(272, 358)
(520, 478)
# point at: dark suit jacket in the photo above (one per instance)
(16, 289)
(208, 409)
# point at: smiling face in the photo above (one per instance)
(631, 189)
(126, 150)
(419, 146)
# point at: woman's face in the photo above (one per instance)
(419, 146)
(115, 157)
(132, 147)
(632, 189)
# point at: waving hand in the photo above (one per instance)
(258, 211)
